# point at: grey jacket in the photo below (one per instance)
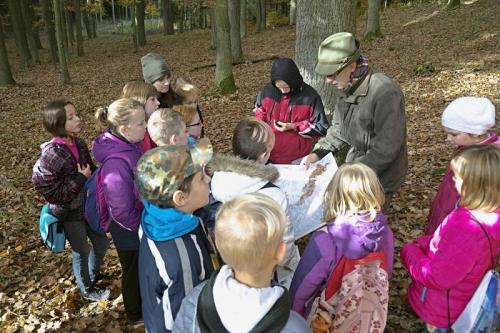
(371, 120)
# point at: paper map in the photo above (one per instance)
(304, 190)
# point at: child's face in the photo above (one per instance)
(162, 85)
(73, 123)
(282, 86)
(198, 194)
(182, 138)
(460, 139)
(195, 126)
(152, 104)
(136, 128)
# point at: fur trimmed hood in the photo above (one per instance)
(229, 163)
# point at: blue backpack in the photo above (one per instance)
(51, 230)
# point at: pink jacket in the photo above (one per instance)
(456, 257)
(447, 196)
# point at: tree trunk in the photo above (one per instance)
(28, 27)
(70, 31)
(78, 26)
(139, 19)
(213, 28)
(86, 23)
(134, 26)
(61, 51)
(168, 17)
(234, 22)
(260, 13)
(113, 10)
(19, 33)
(316, 20)
(51, 33)
(452, 4)
(36, 29)
(293, 11)
(6, 78)
(224, 79)
(243, 18)
(373, 20)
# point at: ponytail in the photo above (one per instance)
(118, 113)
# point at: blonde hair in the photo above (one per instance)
(354, 188)
(186, 111)
(185, 89)
(117, 113)
(248, 232)
(479, 168)
(251, 138)
(164, 123)
(138, 90)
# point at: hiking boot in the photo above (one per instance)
(95, 294)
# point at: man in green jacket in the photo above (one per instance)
(369, 115)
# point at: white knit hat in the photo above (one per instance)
(472, 115)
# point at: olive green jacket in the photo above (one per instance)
(370, 118)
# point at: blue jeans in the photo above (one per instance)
(86, 259)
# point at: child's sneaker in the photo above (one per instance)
(95, 294)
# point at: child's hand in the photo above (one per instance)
(282, 127)
(85, 170)
(311, 158)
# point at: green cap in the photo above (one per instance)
(336, 52)
(154, 67)
(161, 170)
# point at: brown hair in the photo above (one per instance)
(478, 166)
(138, 90)
(54, 117)
(185, 89)
(118, 113)
(250, 138)
(186, 111)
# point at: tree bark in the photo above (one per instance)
(78, 26)
(260, 14)
(51, 33)
(86, 23)
(139, 19)
(134, 26)
(168, 17)
(19, 33)
(243, 18)
(316, 20)
(293, 11)
(234, 22)
(61, 51)
(28, 27)
(6, 78)
(373, 20)
(213, 28)
(224, 79)
(70, 28)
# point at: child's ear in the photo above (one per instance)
(262, 158)
(179, 198)
(281, 252)
(122, 129)
(173, 140)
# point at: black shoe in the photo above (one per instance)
(95, 294)
(100, 277)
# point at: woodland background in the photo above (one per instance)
(435, 53)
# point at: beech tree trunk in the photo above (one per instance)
(224, 79)
(293, 11)
(243, 18)
(260, 14)
(316, 20)
(28, 27)
(51, 33)
(213, 28)
(234, 22)
(6, 78)
(139, 19)
(19, 32)
(61, 51)
(168, 17)
(134, 26)
(78, 28)
(373, 20)
(70, 28)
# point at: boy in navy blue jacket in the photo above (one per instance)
(174, 254)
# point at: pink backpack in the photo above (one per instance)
(355, 298)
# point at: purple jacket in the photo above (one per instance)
(352, 239)
(121, 196)
(456, 257)
(447, 196)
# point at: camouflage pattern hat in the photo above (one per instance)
(161, 170)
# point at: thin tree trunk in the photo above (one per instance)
(243, 18)
(113, 10)
(6, 78)
(139, 18)
(78, 26)
(70, 31)
(316, 20)
(260, 12)
(86, 23)
(293, 11)
(234, 22)
(19, 33)
(224, 79)
(373, 20)
(63, 66)
(36, 29)
(213, 28)
(51, 33)
(134, 26)
(28, 27)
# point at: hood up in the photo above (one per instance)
(285, 69)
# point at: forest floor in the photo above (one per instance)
(436, 56)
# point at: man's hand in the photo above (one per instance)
(282, 127)
(309, 159)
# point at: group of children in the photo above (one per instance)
(243, 273)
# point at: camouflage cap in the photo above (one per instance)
(161, 170)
